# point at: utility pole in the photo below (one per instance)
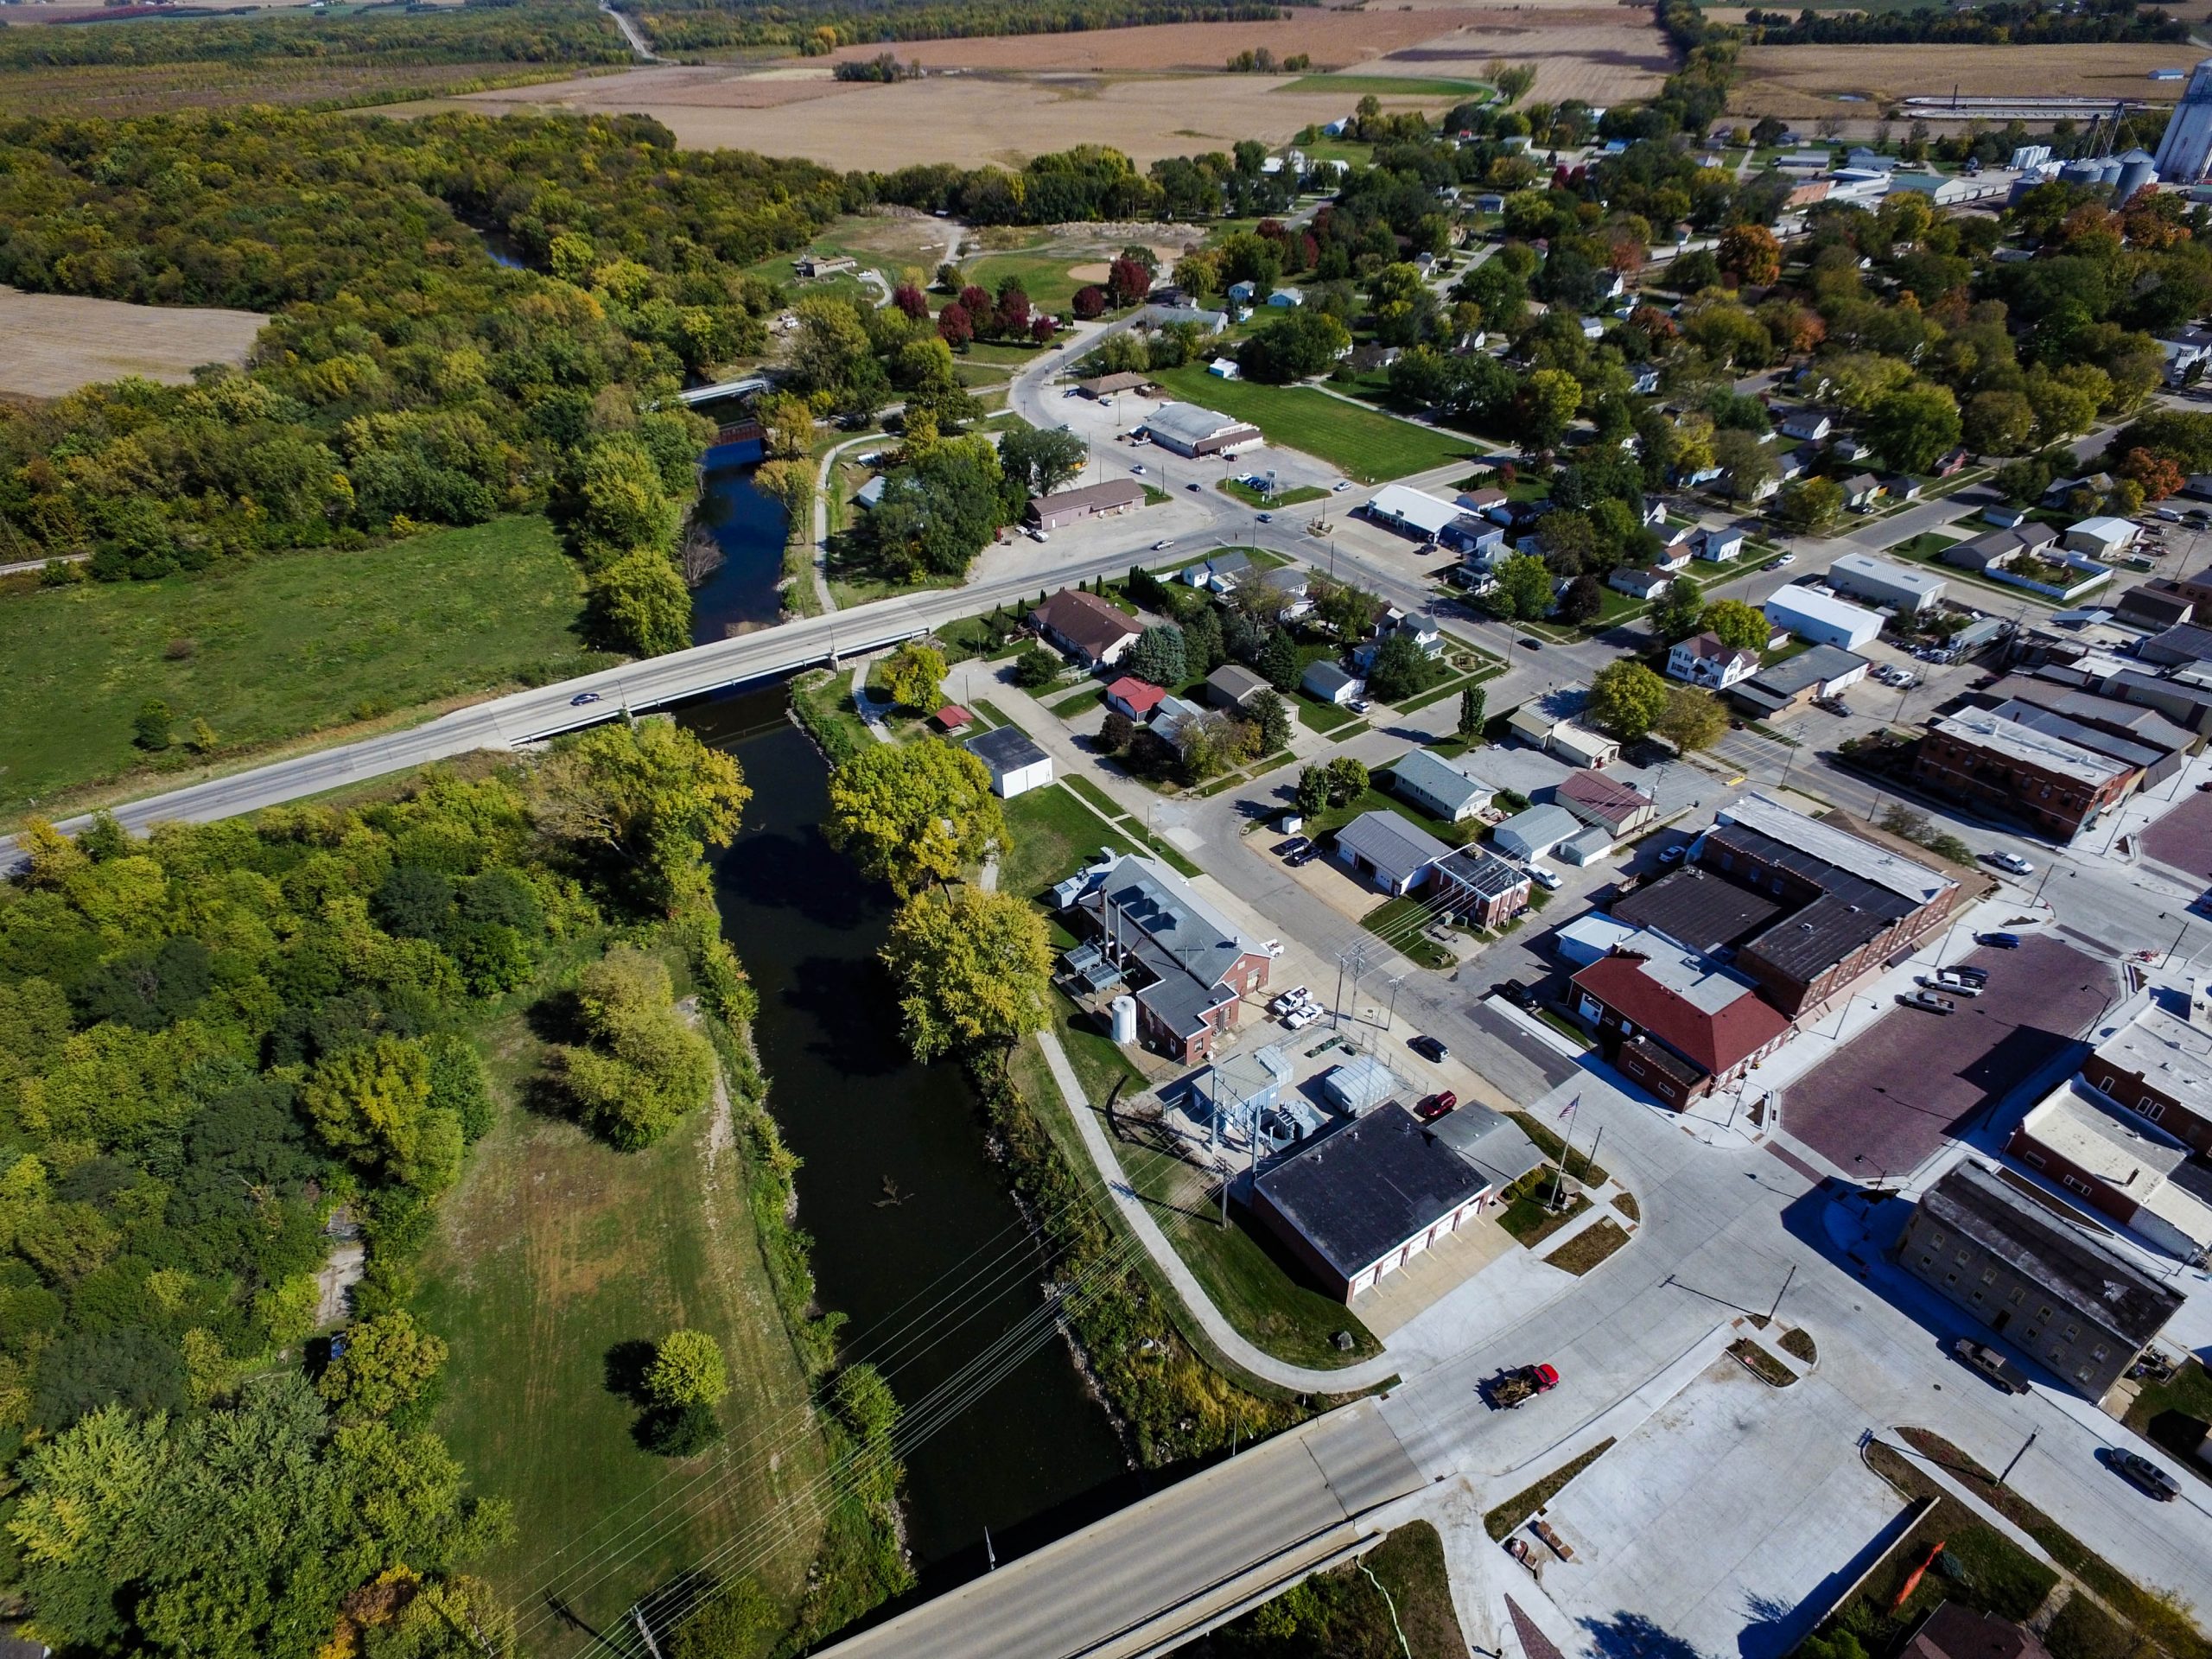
(1391, 1022)
(646, 1630)
(2016, 1456)
(1779, 1295)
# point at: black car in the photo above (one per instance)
(1534, 645)
(1976, 977)
(1429, 1049)
(1515, 993)
(1304, 856)
(2002, 940)
(1295, 844)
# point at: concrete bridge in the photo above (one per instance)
(1150, 1577)
(745, 387)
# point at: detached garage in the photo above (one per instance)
(1016, 765)
(1822, 618)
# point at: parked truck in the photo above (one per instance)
(1519, 1386)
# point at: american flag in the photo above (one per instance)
(1567, 1110)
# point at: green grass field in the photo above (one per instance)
(1386, 86)
(1367, 445)
(1044, 276)
(273, 650)
(554, 1249)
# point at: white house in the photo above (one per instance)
(1706, 661)
(1437, 786)
(1531, 834)
(2100, 538)
(1821, 618)
(1716, 544)
(1807, 423)
(1016, 765)
(1224, 368)
(1326, 680)
(1286, 298)
(1639, 584)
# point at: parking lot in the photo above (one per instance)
(2183, 839)
(1888, 1100)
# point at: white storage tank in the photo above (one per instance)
(1125, 1020)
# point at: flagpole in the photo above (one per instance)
(1565, 1146)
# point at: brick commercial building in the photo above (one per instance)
(1847, 904)
(2121, 1165)
(1480, 886)
(2159, 1066)
(2059, 786)
(1186, 963)
(1106, 500)
(1674, 1021)
(2035, 1279)
(1361, 1203)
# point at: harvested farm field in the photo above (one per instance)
(1149, 92)
(1790, 82)
(124, 89)
(58, 342)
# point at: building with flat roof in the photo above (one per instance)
(1698, 910)
(1480, 886)
(1413, 513)
(1674, 1021)
(2026, 1272)
(2123, 1166)
(1389, 850)
(1187, 429)
(2059, 786)
(1846, 904)
(1359, 1204)
(1186, 963)
(1113, 498)
(2158, 1065)
(1438, 787)
(1794, 682)
(1886, 582)
(1016, 765)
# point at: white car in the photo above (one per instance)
(1138, 469)
(1158, 547)
(1299, 1018)
(1547, 879)
(2012, 863)
(1297, 997)
(1340, 485)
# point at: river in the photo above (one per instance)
(749, 527)
(916, 1240)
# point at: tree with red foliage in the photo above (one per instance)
(1041, 328)
(2159, 476)
(1127, 282)
(1011, 318)
(910, 300)
(976, 301)
(955, 325)
(1090, 302)
(1309, 252)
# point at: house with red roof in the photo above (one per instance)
(1134, 698)
(1674, 1021)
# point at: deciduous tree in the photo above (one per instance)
(1626, 698)
(973, 967)
(914, 676)
(688, 1370)
(1691, 719)
(913, 814)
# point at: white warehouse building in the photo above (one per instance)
(1886, 582)
(1822, 618)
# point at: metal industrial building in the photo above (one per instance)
(2186, 146)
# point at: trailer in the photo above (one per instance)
(1517, 1386)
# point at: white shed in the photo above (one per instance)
(1532, 834)
(1821, 618)
(1016, 765)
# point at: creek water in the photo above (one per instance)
(915, 1238)
(749, 527)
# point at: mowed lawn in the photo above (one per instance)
(275, 648)
(555, 1249)
(1363, 443)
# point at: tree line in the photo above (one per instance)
(538, 31)
(2003, 22)
(817, 28)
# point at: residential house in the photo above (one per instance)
(2026, 1273)
(2185, 351)
(1482, 501)
(1809, 425)
(1548, 722)
(1716, 546)
(1480, 886)
(1885, 582)
(1955, 1630)
(1086, 628)
(1994, 548)
(1327, 680)
(2006, 516)
(1235, 686)
(1619, 809)
(2059, 785)
(2062, 490)
(2124, 1166)
(1187, 966)
(1134, 698)
(1796, 681)
(1901, 487)
(1640, 584)
(1289, 581)
(1173, 717)
(1703, 660)
(1861, 491)
(1107, 500)
(1360, 1203)
(1207, 322)
(1821, 618)
(1438, 787)
(1016, 765)
(2158, 1064)
(1286, 299)
(1675, 1022)
(1217, 572)
(1187, 429)
(1528, 836)
(1391, 851)
(1654, 516)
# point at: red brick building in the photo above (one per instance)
(1671, 1021)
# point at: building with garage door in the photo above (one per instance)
(1187, 429)
(1107, 500)
(1822, 618)
(1187, 964)
(2024, 1271)
(1359, 1205)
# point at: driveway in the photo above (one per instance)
(1889, 1099)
